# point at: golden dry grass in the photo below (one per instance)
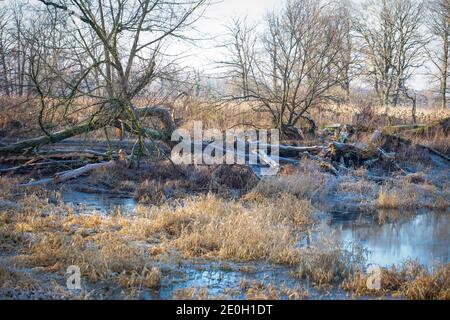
(329, 264)
(410, 281)
(407, 195)
(14, 279)
(209, 226)
(304, 182)
(123, 249)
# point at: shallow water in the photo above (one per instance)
(100, 203)
(424, 237)
(230, 280)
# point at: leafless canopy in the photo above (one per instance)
(105, 52)
(392, 44)
(293, 64)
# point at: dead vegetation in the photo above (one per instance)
(121, 249)
(102, 124)
(126, 251)
(411, 280)
(329, 263)
(213, 227)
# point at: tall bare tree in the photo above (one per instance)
(113, 51)
(393, 44)
(5, 45)
(295, 63)
(240, 47)
(439, 50)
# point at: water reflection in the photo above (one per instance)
(101, 203)
(424, 237)
(420, 236)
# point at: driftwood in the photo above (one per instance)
(334, 157)
(70, 174)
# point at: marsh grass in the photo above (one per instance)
(407, 195)
(330, 263)
(213, 227)
(124, 249)
(410, 280)
(305, 181)
(13, 279)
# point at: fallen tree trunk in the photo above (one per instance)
(26, 145)
(409, 142)
(435, 152)
(162, 113)
(40, 164)
(67, 175)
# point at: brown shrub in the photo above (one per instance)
(233, 177)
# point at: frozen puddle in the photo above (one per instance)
(231, 280)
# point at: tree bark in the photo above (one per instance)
(162, 113)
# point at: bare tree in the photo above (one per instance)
(112, 52)
(348, 58)
(439, 50)
(241, 52)
(5, 44)
(295, 63)
(392, 42)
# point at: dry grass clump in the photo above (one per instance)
(99, 258)
(407, 195)
(233, 177)
(9, 188)
(357, 186)
(307, 182)
(259, 291)
(191, 294)
(12, 279)
(150, 192)
(102, 247)
(411, 281)
(148, 278)
(330, 264)
(209, 226)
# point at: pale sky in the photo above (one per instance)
(220, 13)
(211, 28)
